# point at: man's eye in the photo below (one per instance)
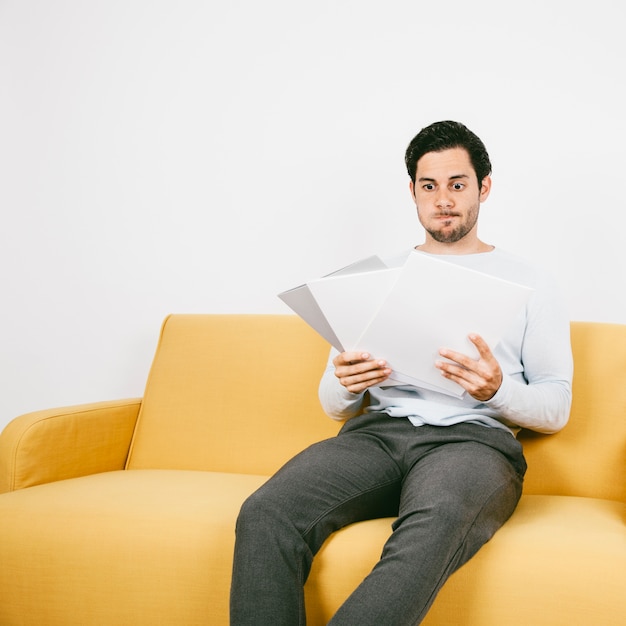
(428, 187)
(458, 186)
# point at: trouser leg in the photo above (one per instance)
(281, 526)
(455, 496)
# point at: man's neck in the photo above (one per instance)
(459, 247)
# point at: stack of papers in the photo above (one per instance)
(406, 314)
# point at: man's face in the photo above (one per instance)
(447, 195)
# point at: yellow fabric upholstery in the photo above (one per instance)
(588, 457)
(230, 398)
(65, 443)
(216, 391)
(125, 547)
(558, 562)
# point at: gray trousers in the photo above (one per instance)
(450, 489)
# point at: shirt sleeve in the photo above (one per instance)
(541, 401)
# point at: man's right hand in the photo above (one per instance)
(357, 371)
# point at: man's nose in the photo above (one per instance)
(443, 199)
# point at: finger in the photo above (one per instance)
(469, 381)
(457, 357)
(484, 353)
(365, 370)
(481, 345)
(456, 372)
(349, 358)
(357, 384)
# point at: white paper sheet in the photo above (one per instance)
(350, 302)
(303, 302)
(405, 315)
(436, 304)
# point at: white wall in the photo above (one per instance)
(194, 156)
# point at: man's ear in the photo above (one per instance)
(485, 188)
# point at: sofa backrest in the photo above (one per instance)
(238, 393)
(231, 393)
(588, 457)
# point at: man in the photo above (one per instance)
(449, 469)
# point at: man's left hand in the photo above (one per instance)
(481, 377)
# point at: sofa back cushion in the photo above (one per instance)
(231, 393)
(238, 393)
(588, 457)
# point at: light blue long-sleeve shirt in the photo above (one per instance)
(535, 357)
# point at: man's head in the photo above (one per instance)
(449, 169)
(443, 136)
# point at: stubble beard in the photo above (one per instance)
(456, 234)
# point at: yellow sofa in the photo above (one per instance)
(122, 513)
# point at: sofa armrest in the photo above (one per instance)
(57, 444)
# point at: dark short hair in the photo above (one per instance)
(444, 136)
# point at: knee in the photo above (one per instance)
(252, 512)
(479, 514)
(449, 513)
(264, 527)
(457, 511)
(261, 514)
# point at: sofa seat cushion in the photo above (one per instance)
(150, 547)
(566, 556)
(143, 547)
